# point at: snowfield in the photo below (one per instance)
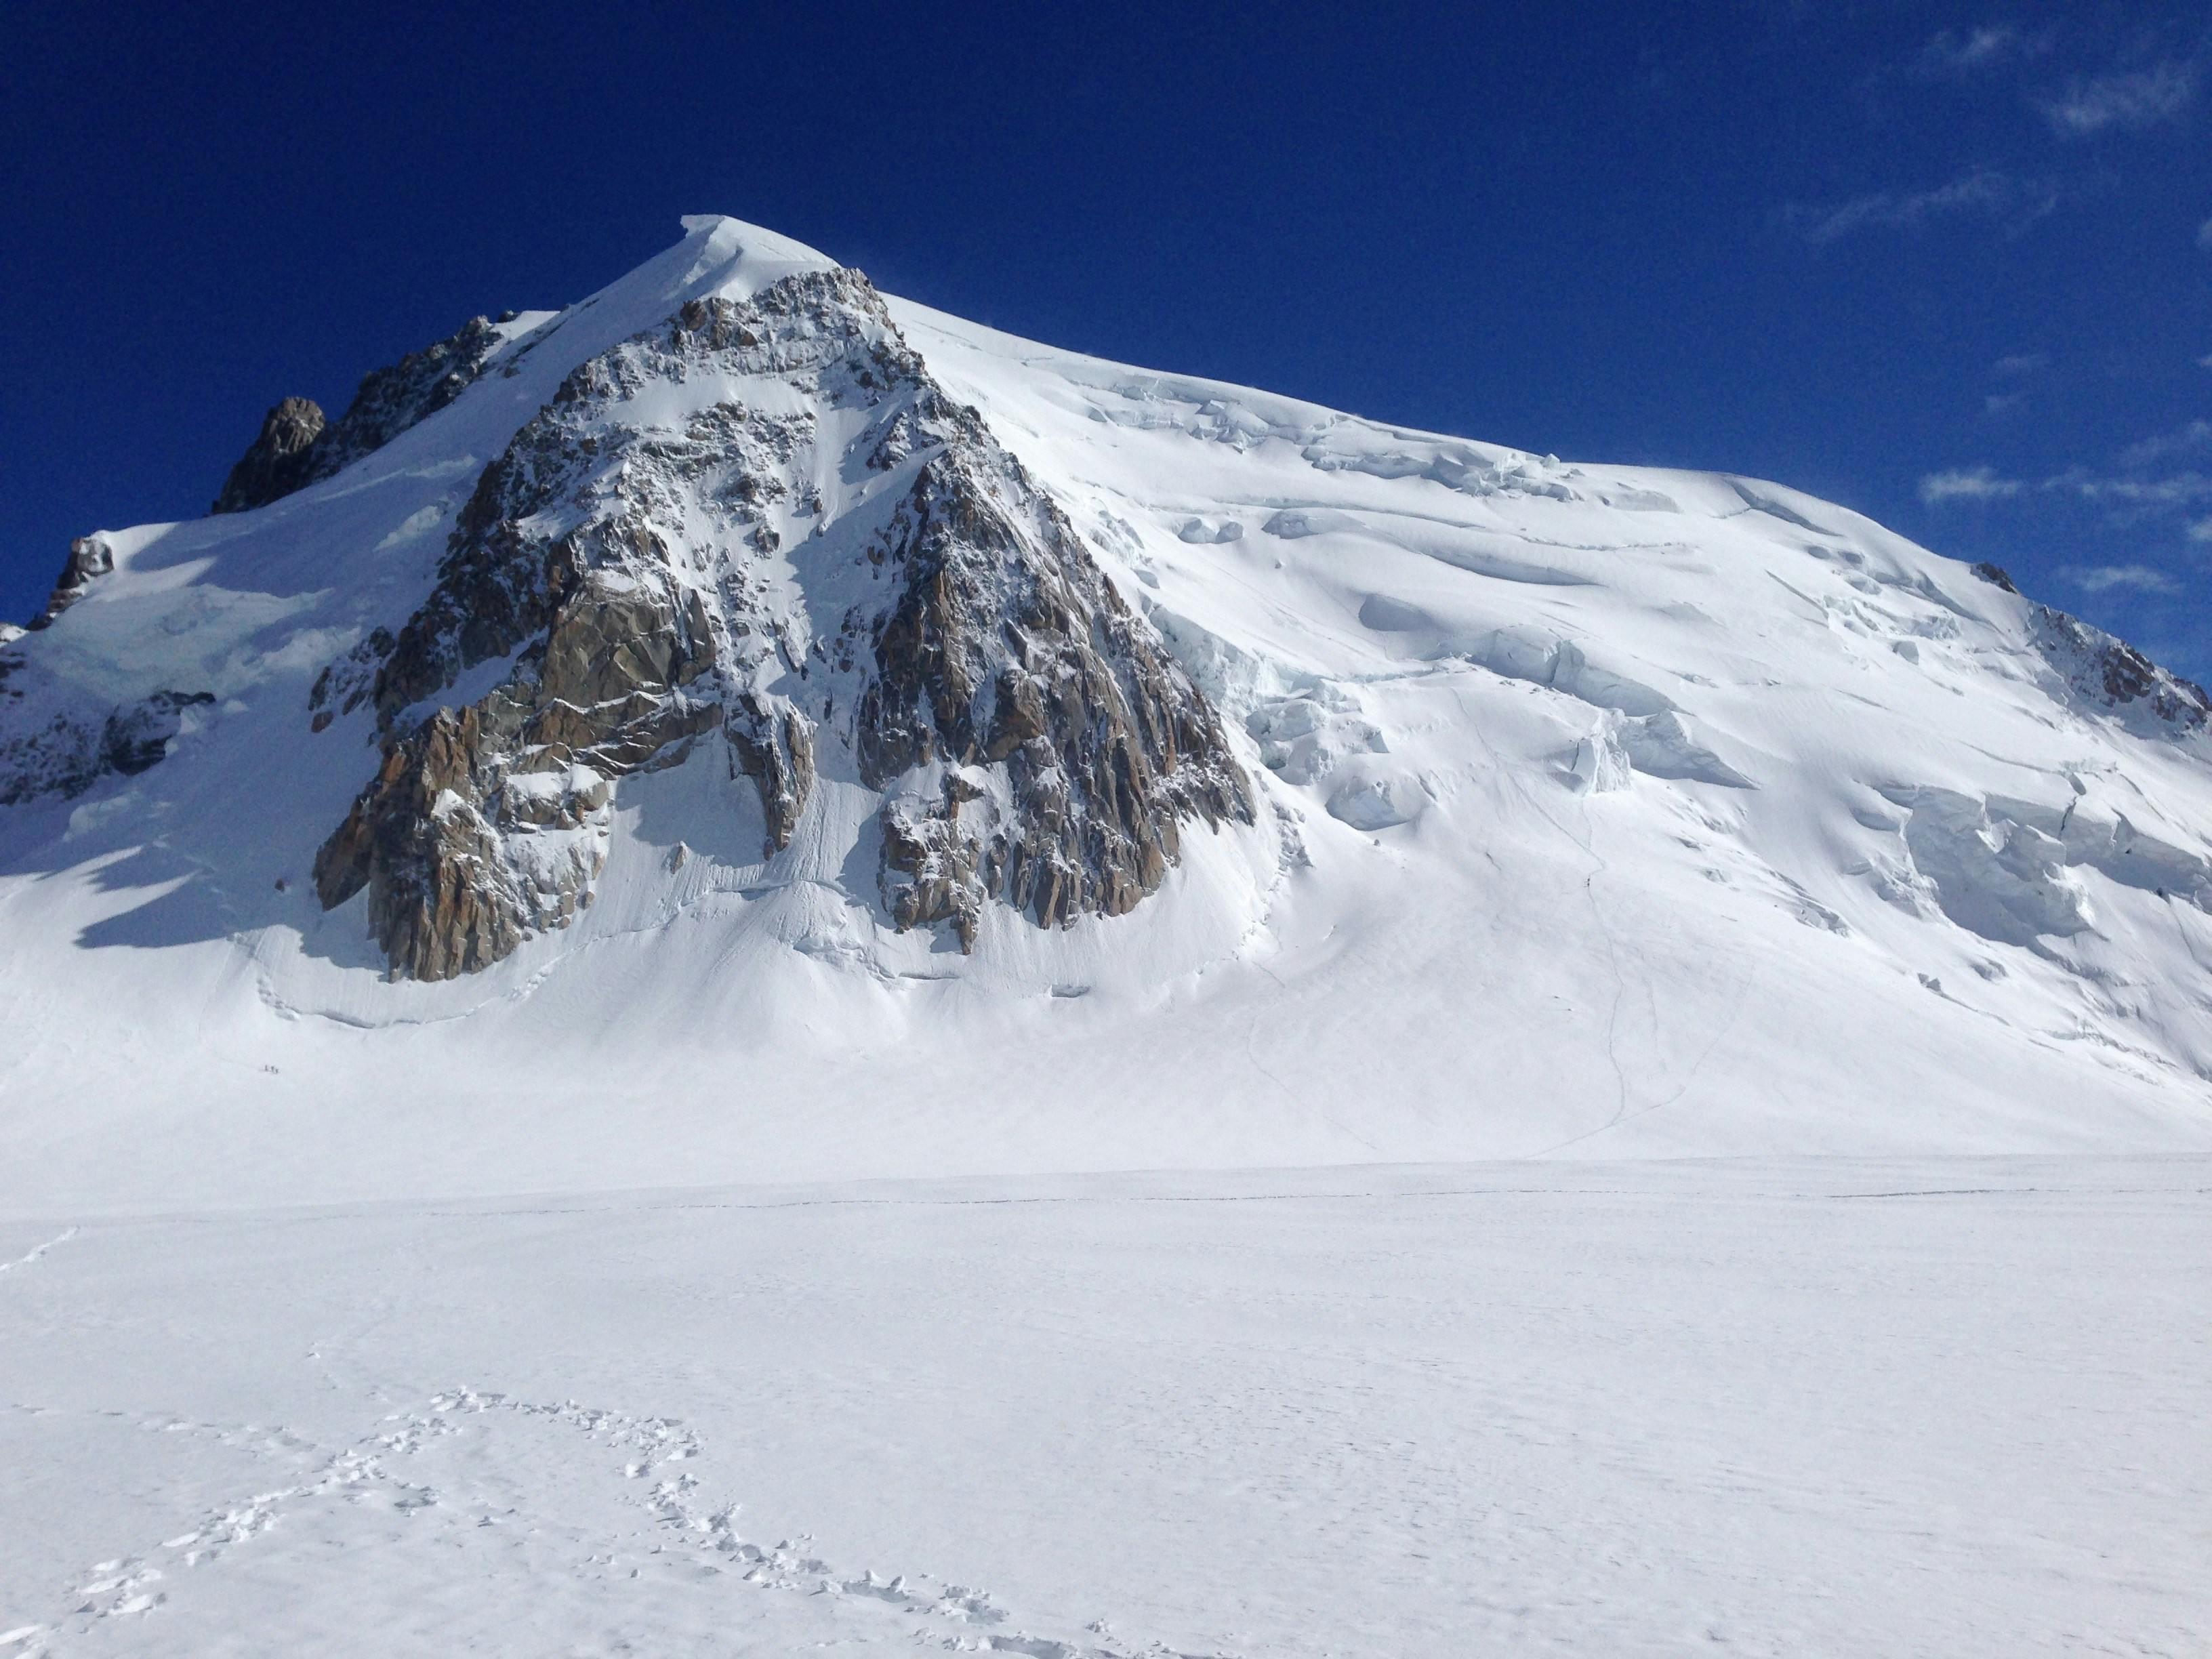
(1681, 1123)
(1948, 1407)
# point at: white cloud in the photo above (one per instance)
(2139, 98)
(2097, 578)
(2201, 530)
(2197, 435)
(1997, 401)
(1984, 191)
(1979, 484)
(2138, 487)
(2026, 363)
(1956, 52)
(2204, 235)
(2178, 491)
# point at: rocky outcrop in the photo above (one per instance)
(390, 400)
(486, 824)
(279, 461)
(1035, 740)
(2102, 674)
(296, 447)
(812, 558)
(90, 558)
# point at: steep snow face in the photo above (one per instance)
(1552, 806)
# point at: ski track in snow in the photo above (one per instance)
(686, 1528)
(26, 1260)
(1925, 1407)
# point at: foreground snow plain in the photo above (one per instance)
(1683, 1126)
(1944, 1407)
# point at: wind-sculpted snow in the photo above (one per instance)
(741, 663)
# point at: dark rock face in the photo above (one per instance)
(90, 558)
(2106, 675)
(296, 448)
(136, 735)
(278, 460)
(937, 633)
(1008, 647)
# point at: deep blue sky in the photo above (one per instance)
(1950, 265)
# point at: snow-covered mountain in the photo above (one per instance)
(745, 724)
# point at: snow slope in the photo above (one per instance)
(1605, 811)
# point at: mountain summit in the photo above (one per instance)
(746, 689)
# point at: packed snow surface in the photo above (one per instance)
(729, 1271)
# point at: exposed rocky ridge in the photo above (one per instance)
(296, 447)
(840, 569)
(2110, 674)
(2106, 673)
(90, 558)
(279, 459)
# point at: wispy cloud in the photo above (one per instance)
(2142, 485)
(2197, 436)
(2201, 530)
(1985, 192)
(2177, 490)
(2017, 370)
(1970, 51)
(2125, 99)
(2204, 235)
(1976, 485)
(2099, 578)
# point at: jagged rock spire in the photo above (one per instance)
(278, 461)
